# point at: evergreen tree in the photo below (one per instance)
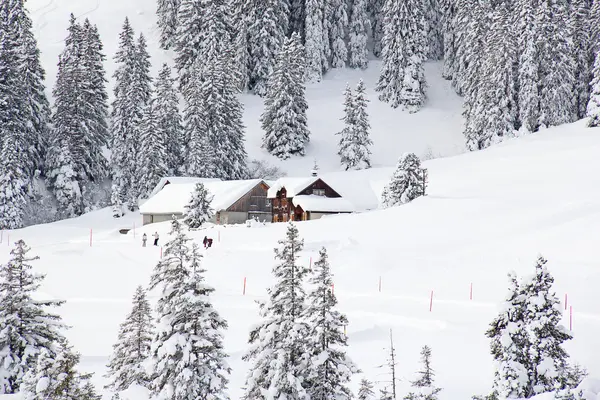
(425, 389)
(168, 119)
(316, 57)
(402, 80)
(593, 107)
(242, 55)
(298, 15)
(26, 327)
(336, 24)
(408, 182)
(198, 210)
(542, 314)
(12, 180)
(126, 366)
(354, 144)
(594, 28)
(579, 19)
(64, 178)
(153, 155)
(385, 395)
(529, 72)
(365, 392)
(433, 28)
(358, 36)
(330, 369)
(509, 346)
(278, 345)
(166, 11)
(284, 118)
(448, 15)
(267, 26)
(377, 15)
(187, 356)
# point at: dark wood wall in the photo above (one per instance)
(254, 201)
(319, 184)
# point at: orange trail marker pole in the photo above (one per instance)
(431, 301)
(244, 290)
(333, 288)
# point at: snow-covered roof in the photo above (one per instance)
(322, 203)
(179, 180)
(173, 198)
(292, 185)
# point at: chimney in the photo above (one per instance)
(315, 169)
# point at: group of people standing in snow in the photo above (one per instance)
(145, 239)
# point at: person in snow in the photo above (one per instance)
(207, 242)
(155, 238)
(144, 239)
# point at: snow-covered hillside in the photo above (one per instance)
(435, 131)
(486, 213)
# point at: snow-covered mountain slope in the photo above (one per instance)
(486, 213)
(435, 131)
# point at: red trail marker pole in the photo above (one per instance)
(566, 302)
(90, 238)
(471, 292)
(431, 301)
(571, 318)
(161, 252)
(333, 288)
(244, 290)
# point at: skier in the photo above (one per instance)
(155, 238)
(144, 238)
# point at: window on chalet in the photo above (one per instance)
(318, 192)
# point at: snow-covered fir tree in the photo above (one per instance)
(166, 11)
(198, 210)
(187, 357)
(278, 344)
(267, 27)
(63, 178)
(26, 326)
(580, 35)
(433, 28)
(168, 119)
(315, 46)
(336, 25)
(594, 27)
(284, 119)
(528, 69)
(330, 369)
(126, 365)
(509, 344)
(402, 79)
(423, 387)
(376, 16)
(447, 15)
(365, 391)
(297, 17)
(358, 35)
(12, 177)
(384, 394)
(407, 183)
(153, 152)
(593, 107)
(56, 377)
(549, 369)
(355, 142)
(242, 55)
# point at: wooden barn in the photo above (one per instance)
(233, 202)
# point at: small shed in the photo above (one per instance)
(233, 202)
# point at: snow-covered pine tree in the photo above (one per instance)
(402, 80)
(491, 110)
(529, 68)
(168, 119)
(549, 369)
(278, 345)
(153, 154)
(424, 388)
(330, 369)
(198, 210)
(358, 35)
(26, 327)
(433, 28)
(384, 394)
(297, 17)
(242, 55)
(12, 176)
(377, 16)
(336, 25)
(55, 377)
(187, 357)
(365, 391)
(126, 365)
(579, 17)
(63, 178)
(408, 182)
(594, 27)
(123, 116)
(354, 144)
(316, 57)
(267, 28)
(593, 107)
(448, 14)
(166, 11)
(509, 345)
(284, 119)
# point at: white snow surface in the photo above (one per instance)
(174, 198)
(486, 213)
(178, 180)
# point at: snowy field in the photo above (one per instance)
(435, 131)
(486, 213)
